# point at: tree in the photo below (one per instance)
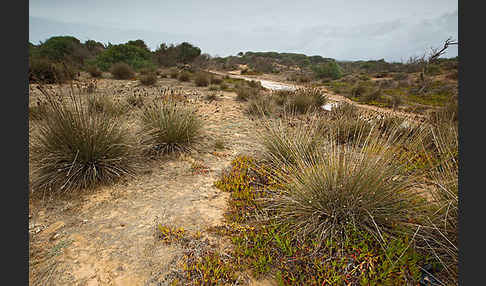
(426, 60)
(187, 52)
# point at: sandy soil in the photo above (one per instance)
(107, 236)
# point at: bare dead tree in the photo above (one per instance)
(433, 55)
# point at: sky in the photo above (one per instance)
(343, 30)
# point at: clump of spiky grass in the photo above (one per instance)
(74, 148)
(306, 99)
(360, 185)
(37, 111)
(260, 106)
(439, 230)
(170, 127)
(285, 142)
(344, 109)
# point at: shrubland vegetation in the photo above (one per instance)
(328, 198)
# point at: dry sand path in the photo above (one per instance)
(275, 85)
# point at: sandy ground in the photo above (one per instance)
(107, 236)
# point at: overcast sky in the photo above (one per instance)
(344, 30)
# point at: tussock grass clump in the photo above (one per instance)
(74, 148)
(260, 106)
(306, 100)
(362, 186)
(201, 79)
(349, 130)
(148, 78)
(94, 71)
(169, 127)
(281, 96)
(284, 144)
(37, 111)
(122, 71)
(439, 231)
(344, 109)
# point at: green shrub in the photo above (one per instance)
(168, 127)
(201, 79)
(122, 71)
(184, 76)
(74, 148)
(94, 71)
(327, 70)
(136, 57)
(148, 79)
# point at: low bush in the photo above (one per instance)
(122, 71)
